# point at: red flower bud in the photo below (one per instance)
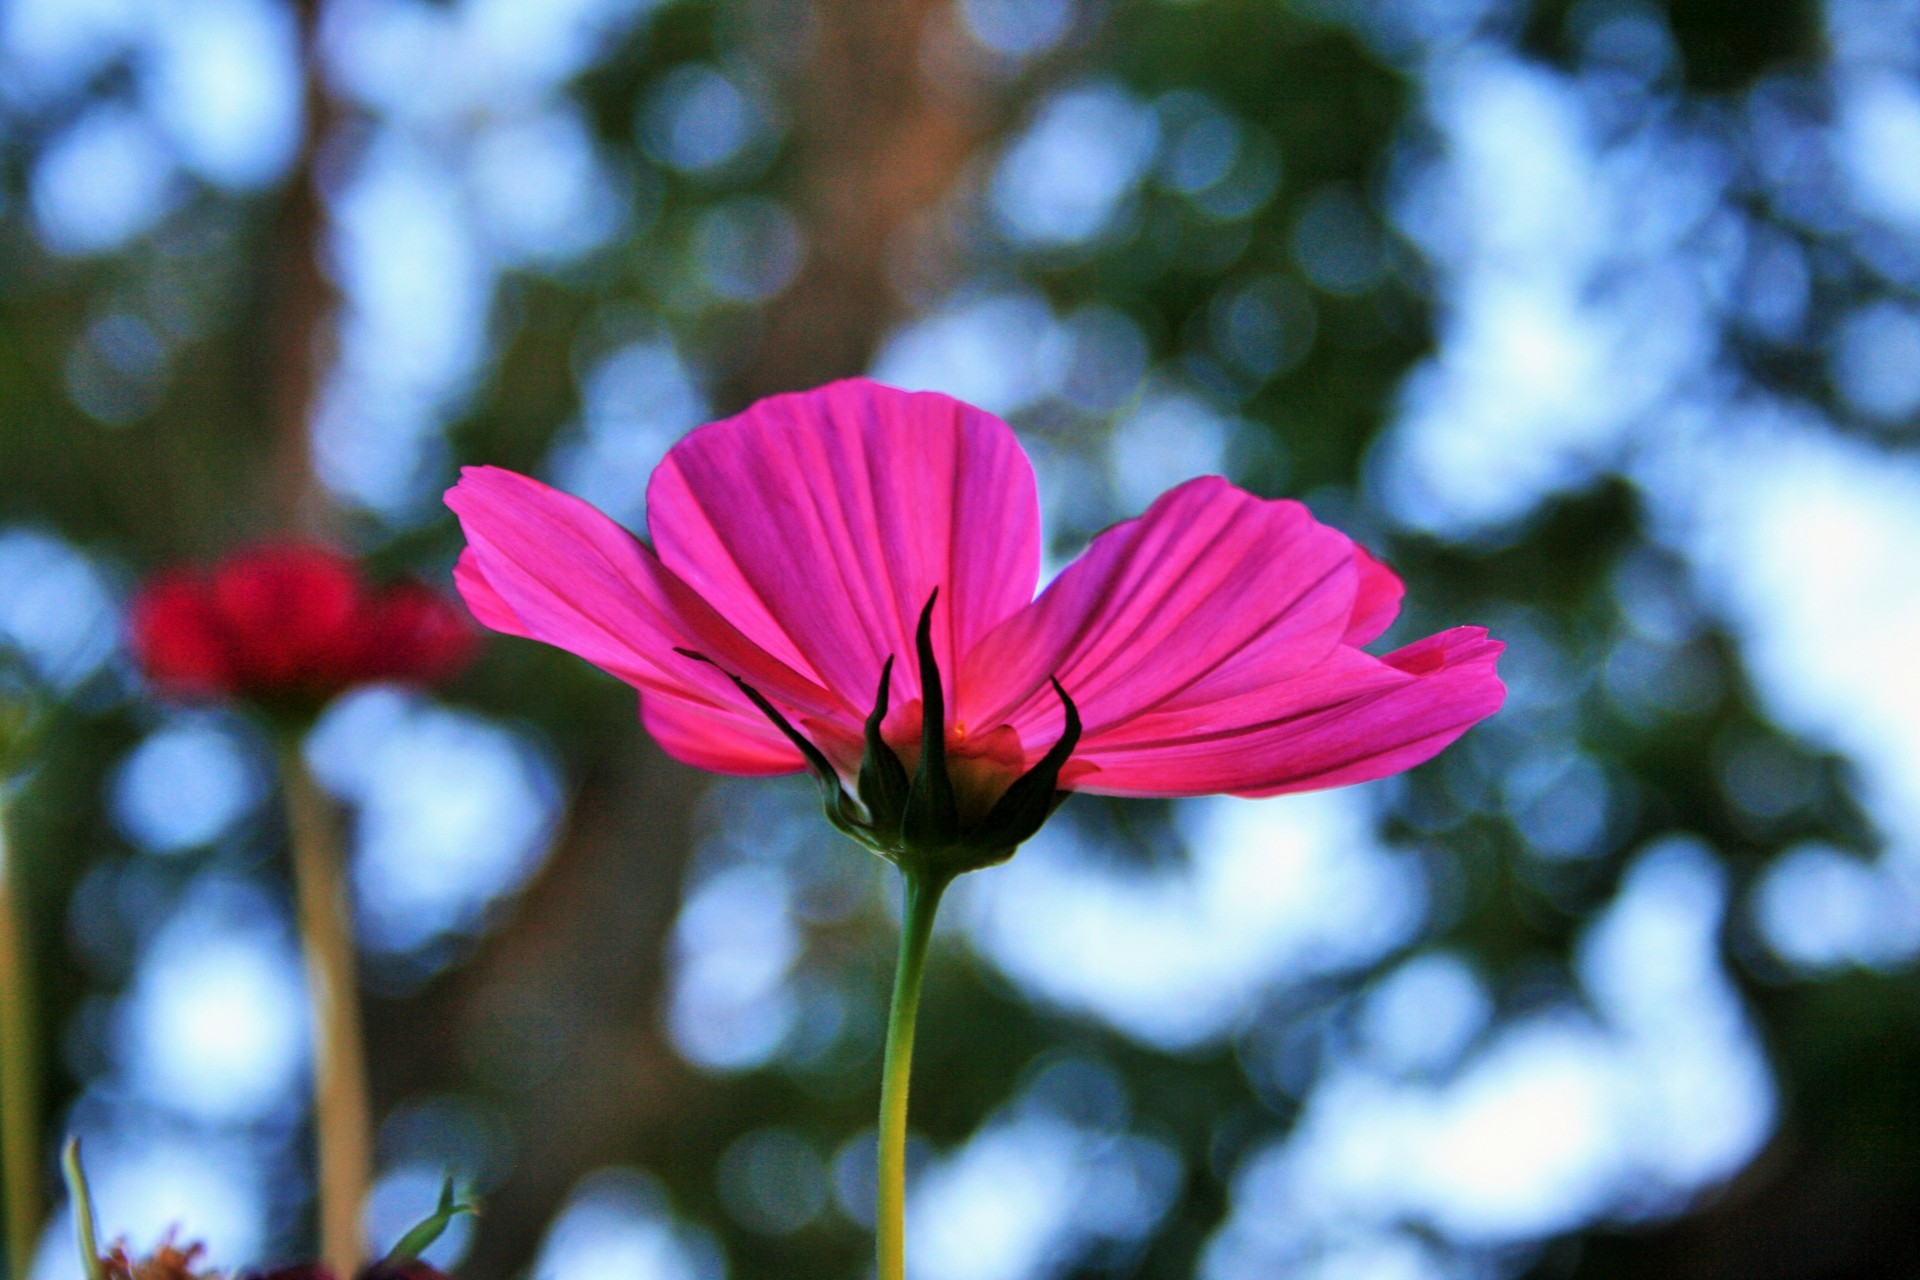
(291, 625)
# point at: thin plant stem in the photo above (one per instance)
(86, 1233)
(342, 1119)
(19, 1067)
(923, 901)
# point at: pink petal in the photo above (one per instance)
(1377, 602)
(488, 609)
(726, 738)
(1161, 603)
(547, 566)
(819, 523)
(1350, 719)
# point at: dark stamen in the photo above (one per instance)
(932, 818)
(1033, 797)
(830, 793)
(883, 779)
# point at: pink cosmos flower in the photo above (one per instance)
(803, 551)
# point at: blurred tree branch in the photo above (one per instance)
(875, 148)
(301, 306)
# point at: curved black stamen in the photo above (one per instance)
(932, 818)
(883, 779)
(830, 793)
(1033, 797)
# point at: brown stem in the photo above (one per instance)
(342, 1119)
(19, 1070)
(559, 1011)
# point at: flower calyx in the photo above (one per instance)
(917, 820)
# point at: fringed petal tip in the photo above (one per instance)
(546, 566)
(1456, 686)
(1456, 650)
(1376, 601)
(1352, 719)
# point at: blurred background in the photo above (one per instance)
(1600, 321)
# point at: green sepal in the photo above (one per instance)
(832, 798)
(915, 822)
(422, 1234)
(85, 1234)
(932, 818)
(1033, 797)
(883, 779)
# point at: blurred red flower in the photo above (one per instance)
(290, 625)
(412, 1269)
(168, 1261)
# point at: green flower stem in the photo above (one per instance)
(342, 1119)
(923, 901)
(19, 1069)
(86, 1233)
